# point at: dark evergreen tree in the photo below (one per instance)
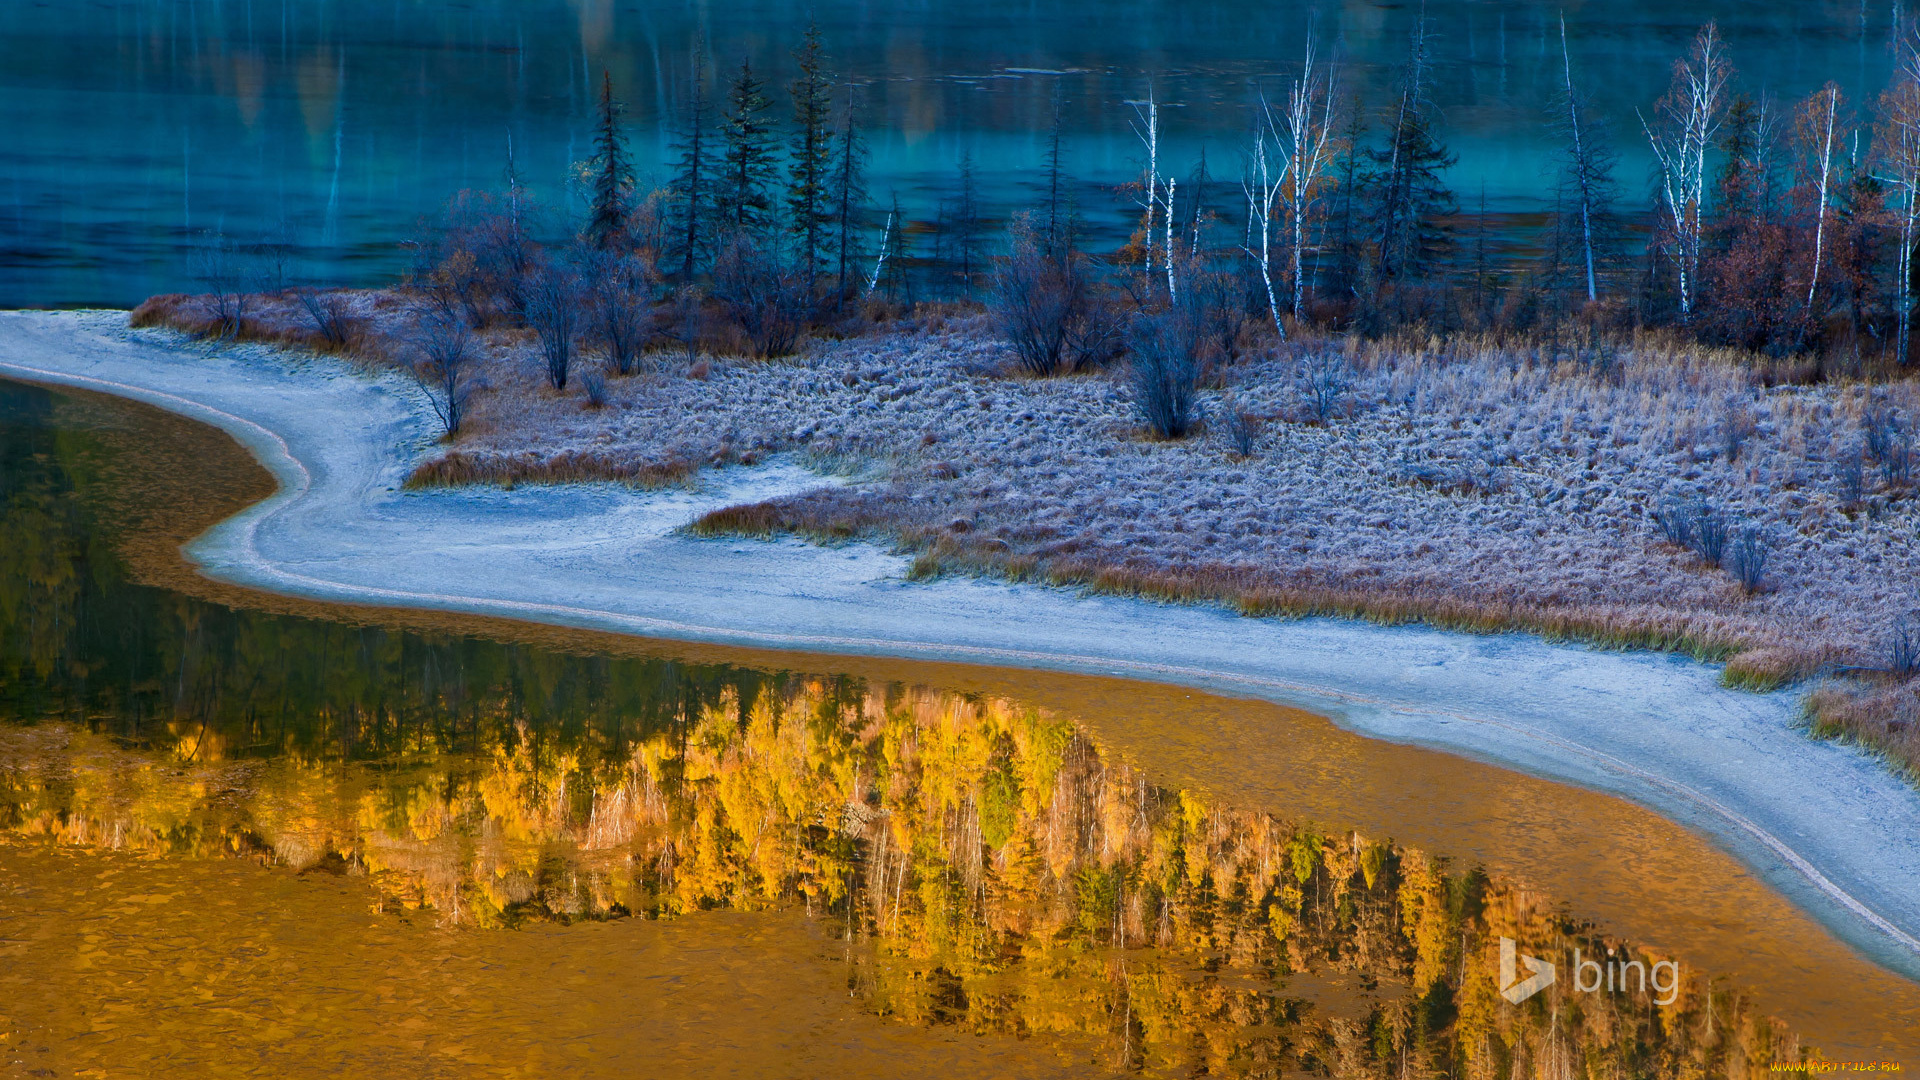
(810, 168)
(1055, 223)
(612, 170)
(747, 177)
(1410, 201)
(966, 225)
(692, 181)
(849, 194)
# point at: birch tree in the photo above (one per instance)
(1820, 133)
(1310, 151)
(1262, 183)
(1685, 123)
(1899, 151)
(1156, 194)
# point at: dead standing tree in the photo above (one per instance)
(1689, 117)
(1156, 201)
(1306, 149)
(1587, 180)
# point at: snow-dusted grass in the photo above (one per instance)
(1476, 486)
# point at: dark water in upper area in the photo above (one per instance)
(132, 127)
(985, 864)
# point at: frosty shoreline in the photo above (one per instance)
(1825, 823)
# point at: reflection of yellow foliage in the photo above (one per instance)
(1164, 928)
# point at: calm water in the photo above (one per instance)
(133, 126)
(351, 846)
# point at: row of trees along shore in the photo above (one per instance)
(1783, 228)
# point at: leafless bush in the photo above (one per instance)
(595, 384)
(553, 310)
(1746, 559)
(1675, 522)
(445, 351)
(1323, 380)
(484, 261)
(619, 286)
(331, 314)
(1166, 371)
(1243, 428)
(1903, 646)
(220, 266)
(1709, 534)
(1853, 477)
(761, 293)
(1043, 305)
(1889, 443)
(687, 320)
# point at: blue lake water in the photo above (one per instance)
(132, 127)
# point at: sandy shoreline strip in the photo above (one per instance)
(1826, 824)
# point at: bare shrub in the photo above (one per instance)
(595, 384)
(1166, 371)
(1746, 559)
(1675, 522)
(1709, 534)
(686, 320)
(1322, 382)
(1034, 299)
(1853, 478)
(220, 266)
(445, 350)
(331, 314)
(764, 296)
(1903, 646)
(484, 260)
(1243, 428)
(619, 286)
(553, 310)
(1889, 443)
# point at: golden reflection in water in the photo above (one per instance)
(112, 966)
(1639, 877)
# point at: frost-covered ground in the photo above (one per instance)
(1479, 485)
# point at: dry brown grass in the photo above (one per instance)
(461, 467)
(272, 319)
(1878, 712)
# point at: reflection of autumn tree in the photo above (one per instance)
(1006, 876)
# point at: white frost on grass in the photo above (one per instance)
(1822, 821)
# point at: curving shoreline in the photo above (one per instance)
(1824, 823)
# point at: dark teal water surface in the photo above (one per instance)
(134, 126)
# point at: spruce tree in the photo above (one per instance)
(612, 171)
(1411, 201)
(849, 193)
(748, 172)
(692, 182)
(809, 206)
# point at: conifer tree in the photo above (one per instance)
(849, 194)
(612, 171)
(1411, 199)
(748, 166)
(692, 182)
(810, 167)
